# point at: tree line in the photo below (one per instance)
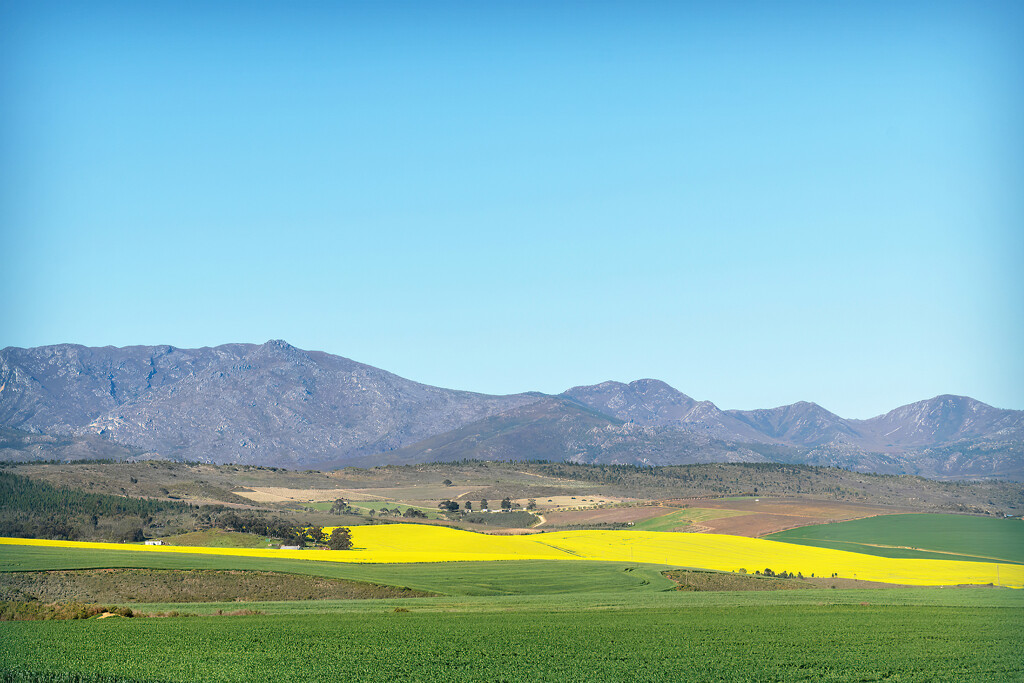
(36, 509)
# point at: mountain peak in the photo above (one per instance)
(647, 384)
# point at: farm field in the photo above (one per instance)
(410, 494)
(401, 543)
(470, 578)
(769, 515)
(589, 605)
(915, 535)
(613, 599)
(669, 637)
(684, 519)
(607, 515)
(566, 484)
(736, 516)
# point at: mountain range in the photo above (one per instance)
(276, 405)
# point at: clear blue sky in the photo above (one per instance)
(756, 202)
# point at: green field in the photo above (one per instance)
(464, 578)
(936, 536)
(665, 638)
(518, 621)
(218, 538)
(683, 518)
(620, 601)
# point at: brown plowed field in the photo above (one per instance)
(768, 515)
(756, 524)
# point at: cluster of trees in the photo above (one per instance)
(506, 505)
(782, 574)
(36, 509)
(341, 507)
(410, 513)
(24, 493)
(291, 534)
(272, 527)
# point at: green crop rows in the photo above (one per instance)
(544, 621)
(463, 578)
(677, 643)
(948, 537)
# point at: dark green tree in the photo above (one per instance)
(341, 539)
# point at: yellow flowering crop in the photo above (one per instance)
(387, 543)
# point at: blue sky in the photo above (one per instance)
(758, 203)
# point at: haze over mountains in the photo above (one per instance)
(274, 404)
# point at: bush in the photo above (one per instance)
(55, 611)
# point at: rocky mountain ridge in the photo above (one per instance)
(245, 403)
(274, 404)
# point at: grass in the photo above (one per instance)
(515, 519)
(466, 578)
(521, 620)
(681, 519)
(666, 637)
(218, 538)
(618, 600)
(937, 536)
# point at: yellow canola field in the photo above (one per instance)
(387, 543)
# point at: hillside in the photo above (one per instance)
(266, 404)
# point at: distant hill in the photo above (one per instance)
(274, 404)
(267, 404)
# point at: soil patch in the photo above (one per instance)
(166, 585)
(756, 524)
(770, 515)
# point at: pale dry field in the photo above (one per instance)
(545, 503)
(429, 494)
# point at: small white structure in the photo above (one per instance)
(154, 541)
(291, 547)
